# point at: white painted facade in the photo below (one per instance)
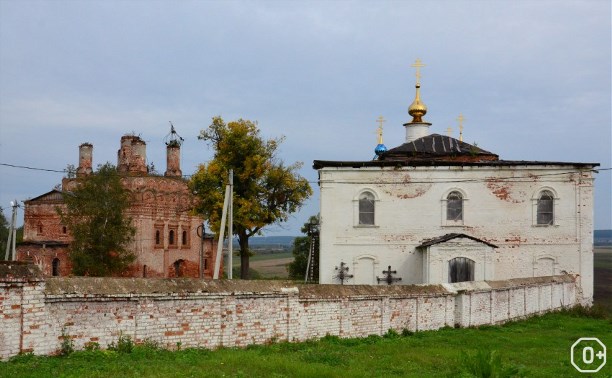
(499, 208)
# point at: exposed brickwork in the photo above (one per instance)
(166, 231)
(200, 313)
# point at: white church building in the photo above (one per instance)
(438, 210)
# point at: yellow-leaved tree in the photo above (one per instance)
(266, 191)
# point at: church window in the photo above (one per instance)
(366, 208)
(40, 228)
(184, 238)
(157, 237)
(461, 269)
(545, 208)
(55, 265)
(144, 271)
(454, 206)
(64, 230)
(171, 237)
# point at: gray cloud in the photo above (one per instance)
(531, 78)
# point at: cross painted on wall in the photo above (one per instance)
(342, 273)
(388, 278)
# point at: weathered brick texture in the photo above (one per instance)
(35, 313)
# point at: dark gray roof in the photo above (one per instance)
(447, 237)
(435, 145)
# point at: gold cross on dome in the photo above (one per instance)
(380, 121)
(418, 64)
(460, 119)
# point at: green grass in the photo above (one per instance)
(537, 347)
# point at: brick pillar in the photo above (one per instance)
(85, 159)
(173, 160)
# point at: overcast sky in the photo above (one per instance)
(532, 79)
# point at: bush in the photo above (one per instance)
(92, 346)
(67, 346)
(391, 334)
(124, 344)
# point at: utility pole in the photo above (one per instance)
(12, 235)
(230, 227)
(227, 208)
(203, 232)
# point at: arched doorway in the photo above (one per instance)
(178, 268)
(55, 267)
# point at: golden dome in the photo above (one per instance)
(417, 109)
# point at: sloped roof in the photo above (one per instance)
(53, 195)
(451, 236)
(436, 146)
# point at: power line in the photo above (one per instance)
(32, 168)
(442, 181)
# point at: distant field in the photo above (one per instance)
(603, 277)
(269, 265)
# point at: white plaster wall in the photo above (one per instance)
(499, 207)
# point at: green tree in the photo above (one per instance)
(4, 231)
(95, 216)
(265, 190)
(301, 250)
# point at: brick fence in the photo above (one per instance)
(35, 312)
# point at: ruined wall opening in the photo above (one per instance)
(55, 267)
(178, 268)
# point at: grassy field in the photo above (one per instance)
(537, 347)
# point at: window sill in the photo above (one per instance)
(454, 224)
(545, 225)
(365, 226)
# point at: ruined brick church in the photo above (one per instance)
(168, 240)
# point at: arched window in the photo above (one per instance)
(454, 206)
(144, 271)
(178, 268)
(55, 265)
(184, 237)
(40, 228)
(366, 208)
(171, 237)
(157, 238)
(461, 269)
(64, 230)
(545, 211)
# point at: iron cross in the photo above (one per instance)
(389, 279)
(343, 273)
